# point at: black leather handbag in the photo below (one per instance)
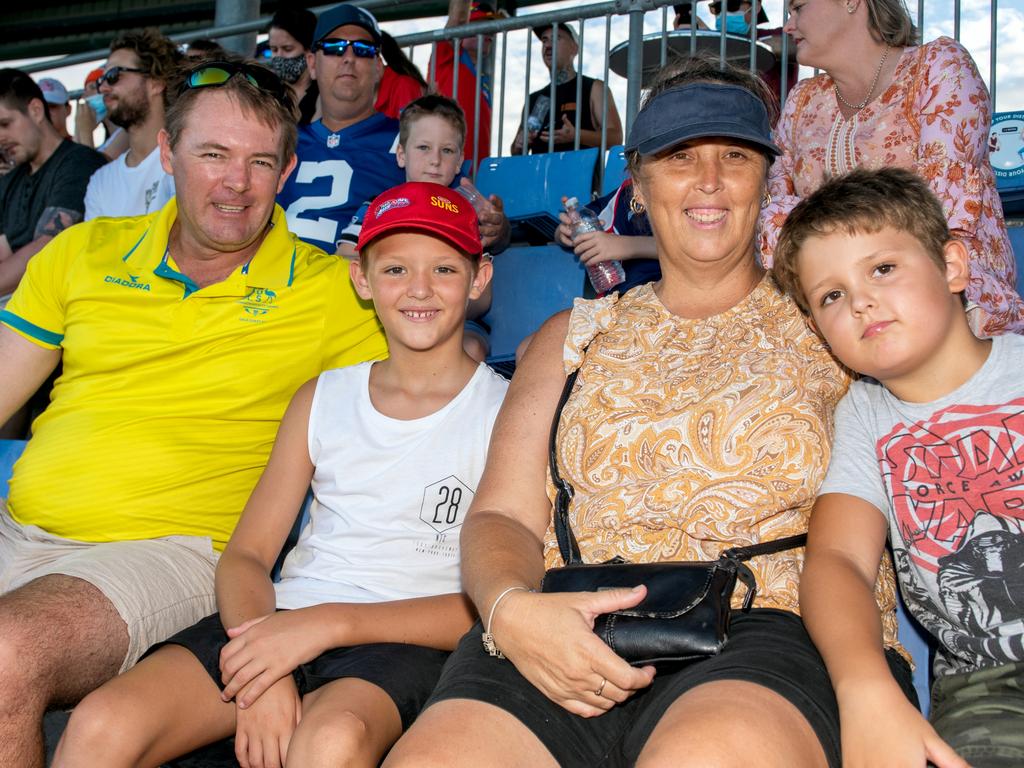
(686, 612)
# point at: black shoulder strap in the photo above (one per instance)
(567, 545)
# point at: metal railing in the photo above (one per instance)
(587, 16)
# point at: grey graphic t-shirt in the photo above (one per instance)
(949, 476)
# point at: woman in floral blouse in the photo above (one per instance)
(701, 419)
(885, 101)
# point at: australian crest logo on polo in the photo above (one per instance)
(258, 304)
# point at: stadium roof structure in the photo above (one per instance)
(49, 28)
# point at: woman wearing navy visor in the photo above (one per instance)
(700, 420)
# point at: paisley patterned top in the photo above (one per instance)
(933, 119)
(686, 437)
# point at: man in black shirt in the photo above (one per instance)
(45, 192)
(559, 54)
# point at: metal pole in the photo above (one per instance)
(604, 104)
(456, 53)
(552, 87)
(235, 11)
(754, 10)
(956, 20)
(526, 98)
(501, 97)
(784, 84)
(477, 157)
(994, 6)
(579, 88)
(664, 32)
(634, 65)
(920, 15)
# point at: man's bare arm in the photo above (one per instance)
(24, 366)
(12, 263)
(458, 13)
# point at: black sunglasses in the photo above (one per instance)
(112, 75)
(333, 46)
(216, 73)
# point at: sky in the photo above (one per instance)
(975, 34)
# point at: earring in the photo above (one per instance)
(767, 199)
(850, 7)
(635, 206)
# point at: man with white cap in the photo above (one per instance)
(348, 156)
(56, 97)
(559, 53)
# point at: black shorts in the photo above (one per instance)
(767, 647)
(406, 673)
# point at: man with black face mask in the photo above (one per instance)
(290, 38)
(134, 88)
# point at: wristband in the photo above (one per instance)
(487, 638)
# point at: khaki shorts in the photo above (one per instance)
(158, 586)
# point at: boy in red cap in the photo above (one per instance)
(353, 636)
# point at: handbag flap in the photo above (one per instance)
(673, 588)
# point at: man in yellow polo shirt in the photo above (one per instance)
(183, 335)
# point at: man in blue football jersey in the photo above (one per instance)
(347, 156)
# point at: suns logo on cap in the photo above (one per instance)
(387, 205)
(444, 203)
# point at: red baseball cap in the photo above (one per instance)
(94, 75)
(481, 10)
(422, 206)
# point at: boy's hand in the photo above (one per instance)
(900, 737)
(265, 650)
(595, 247)
(263, 732)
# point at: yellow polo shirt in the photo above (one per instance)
(170, 397)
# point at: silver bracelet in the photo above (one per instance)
(487, 638)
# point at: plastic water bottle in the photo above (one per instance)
(480, 203)
(538, 115)
(604, 275)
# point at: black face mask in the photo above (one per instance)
(289, 70)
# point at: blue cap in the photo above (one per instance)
(699, 111)
(343, 14)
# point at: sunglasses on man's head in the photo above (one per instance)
(112, 75)
(332, 46)
(216, 73)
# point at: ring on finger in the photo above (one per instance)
(600, 688)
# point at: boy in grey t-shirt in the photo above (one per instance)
(929, 450)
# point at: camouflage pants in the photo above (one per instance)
(981, 715)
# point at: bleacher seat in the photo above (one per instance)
(532, 187)
(530, 285)
(10, 450)
(919, 644)
(614, 169)
(1016, 231)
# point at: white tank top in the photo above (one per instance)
(390, 495)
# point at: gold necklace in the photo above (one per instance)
(871, 90)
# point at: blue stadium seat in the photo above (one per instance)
(10, 450)
(1017, 241)
(532, 187)
(614, 169)
(530, 285)
(920, 645)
